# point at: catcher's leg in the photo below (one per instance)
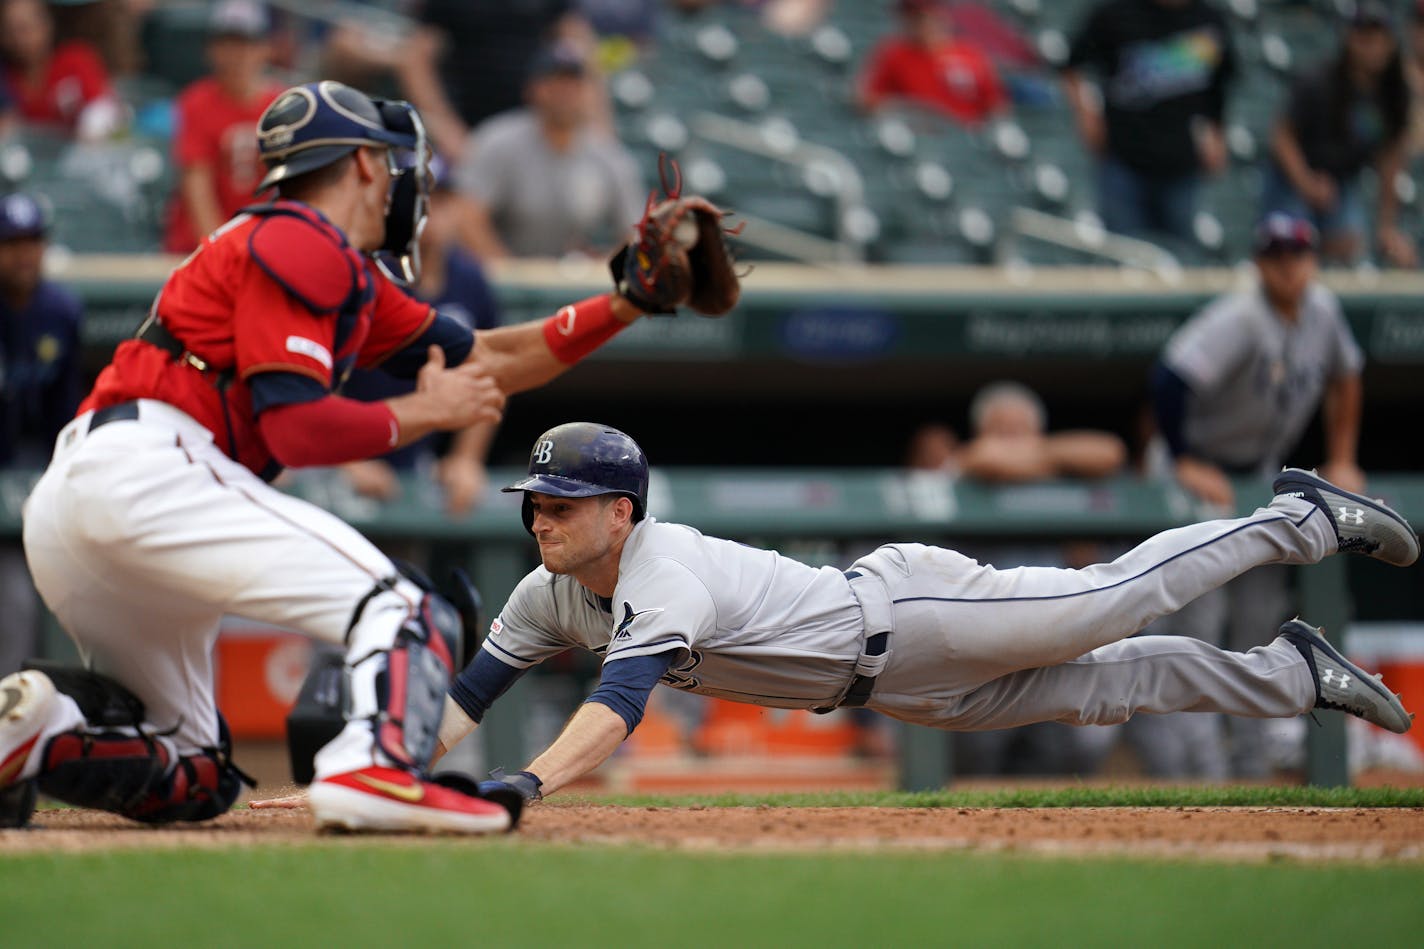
(79, 737)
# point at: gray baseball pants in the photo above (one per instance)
(974, 647)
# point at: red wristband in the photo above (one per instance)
(577, 330)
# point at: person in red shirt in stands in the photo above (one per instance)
(63, 87)
(926, 64)
(215, 145)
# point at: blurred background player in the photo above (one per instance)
(39, 391)
(215, 125)
(1234, 391)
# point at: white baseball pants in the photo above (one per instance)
(142, 534)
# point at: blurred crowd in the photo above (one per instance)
(528, 164)
(516, 100)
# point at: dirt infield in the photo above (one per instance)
(1236, 834)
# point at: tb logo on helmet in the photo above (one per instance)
(583, 460)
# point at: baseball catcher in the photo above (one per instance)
(155, 518)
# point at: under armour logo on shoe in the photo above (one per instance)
(1350, 515)
(1334, 679)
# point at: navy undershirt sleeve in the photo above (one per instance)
(446, 332)
(481, 682)
(1169, 405)
(271, 389)
(627, 683)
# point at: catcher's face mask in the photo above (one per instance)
(408, 200)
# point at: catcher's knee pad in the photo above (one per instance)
(139, 776)
(116, 764)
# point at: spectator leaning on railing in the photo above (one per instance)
(62, 87)
(1011, 444)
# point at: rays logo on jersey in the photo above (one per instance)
(622, 632)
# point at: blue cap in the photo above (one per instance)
(1280, 232)
(22, 216)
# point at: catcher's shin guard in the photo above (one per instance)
(325, 702)
(410, 692)
(116, 764)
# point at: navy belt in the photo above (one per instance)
(862, 685)
(121, 412)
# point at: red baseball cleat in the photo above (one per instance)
(389, 799)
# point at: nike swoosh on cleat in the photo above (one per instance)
(401, 792)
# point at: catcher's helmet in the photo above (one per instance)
(312, 125)
(584, 459)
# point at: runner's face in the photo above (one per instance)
(574, 533)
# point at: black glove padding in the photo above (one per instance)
(511, 791)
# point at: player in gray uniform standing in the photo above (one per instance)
(1234, 390)
(920, 633)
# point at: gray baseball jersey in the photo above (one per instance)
(1256, 380)
(747, 624)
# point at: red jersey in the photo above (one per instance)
(213, 129)
(955, 78)
(75, 77)
(276, 291)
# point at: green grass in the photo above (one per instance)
(1053, 797)
(452, 893)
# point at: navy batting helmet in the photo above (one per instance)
(584, 459)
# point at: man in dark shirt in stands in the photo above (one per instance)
(1163, 66)
(468, 60)
(39, 391)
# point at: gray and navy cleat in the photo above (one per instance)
(1362, 525)
(1342, 685)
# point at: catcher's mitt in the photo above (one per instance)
(680, 256)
